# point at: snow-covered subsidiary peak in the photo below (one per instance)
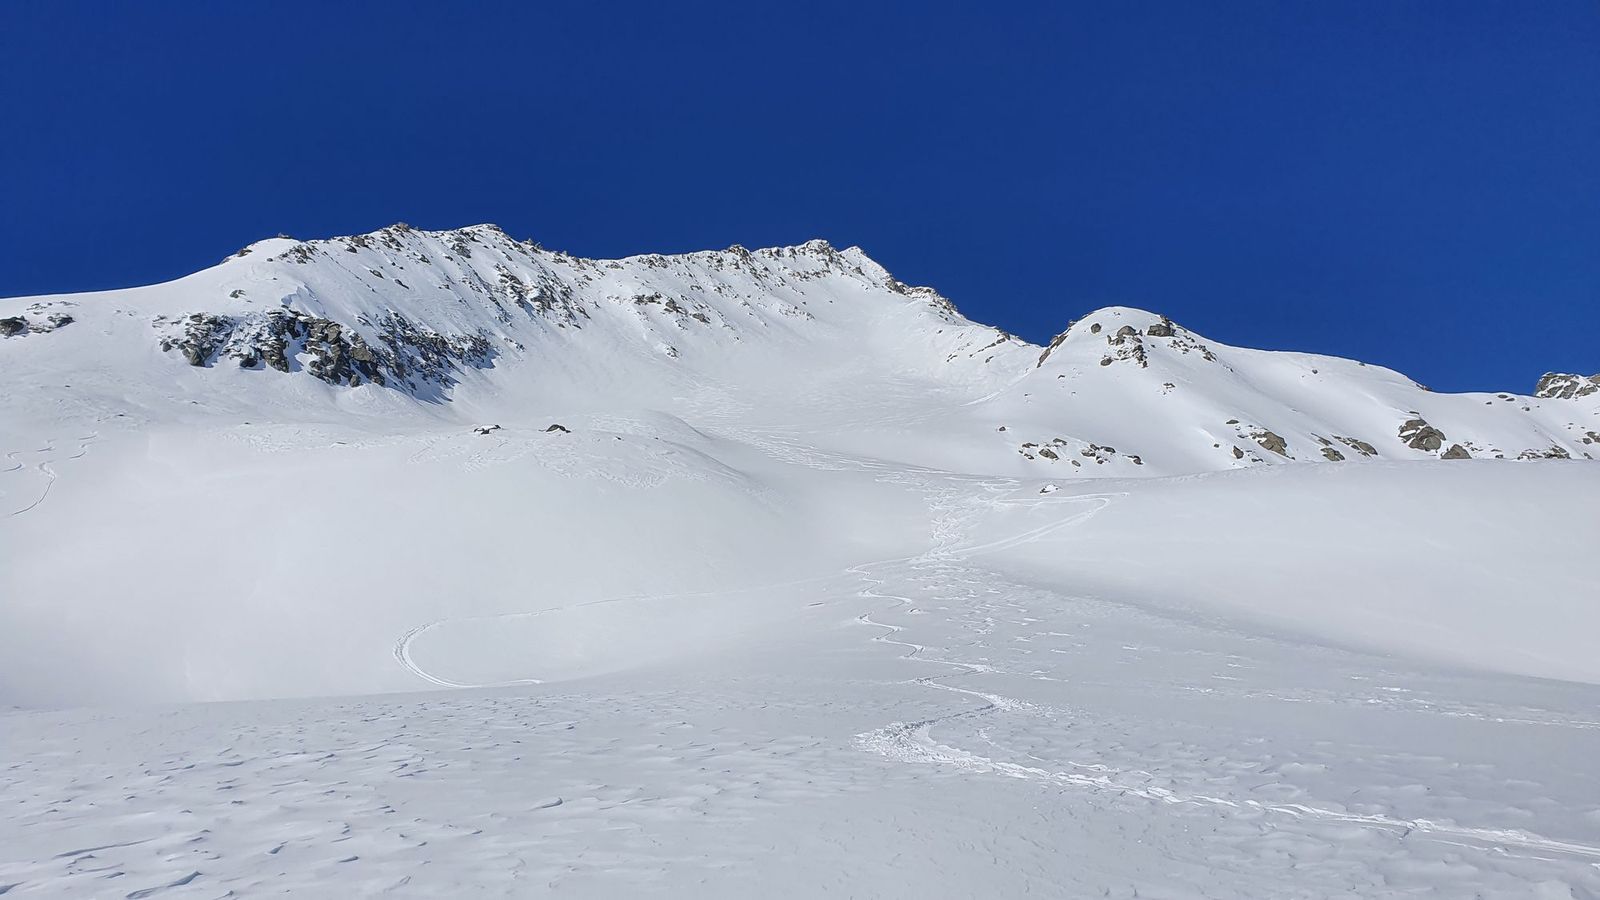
(473, 324)
(1148, 386)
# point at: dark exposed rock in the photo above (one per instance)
(1047, 453)
(1456, 451)
(486, 429)
(1564, 386)
(1162, 328)
(1361, 447)
(1332, 454)
(1271, 441)
(1055, 342)
(1237, 453)
(558, 427)
(1419, 435)
(333, 352)
(200, 337)
(13, 326)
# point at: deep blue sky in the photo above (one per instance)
(1412, 183)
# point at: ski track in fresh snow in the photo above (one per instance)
(913, 743)
(44, 467)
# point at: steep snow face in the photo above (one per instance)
(470, 324)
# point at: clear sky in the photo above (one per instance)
(1415, 184)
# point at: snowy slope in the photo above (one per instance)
(629, 572)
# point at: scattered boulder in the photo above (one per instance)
(1332, 455)
(558, 427)
(1456, 451)
(1162, 328)
(486, 429)
(1271, 441)
(13, 326)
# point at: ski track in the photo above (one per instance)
(45, 468)
(913, 742)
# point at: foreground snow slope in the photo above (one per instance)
(1004, 711)
(683, 560)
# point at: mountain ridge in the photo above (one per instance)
(475, 320)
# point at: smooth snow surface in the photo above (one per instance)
(792, 603)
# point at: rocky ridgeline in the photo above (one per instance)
(282, 339)
(1564, 386)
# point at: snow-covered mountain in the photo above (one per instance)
(541, 575)
(480, 323)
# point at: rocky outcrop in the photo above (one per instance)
(1271, 441)
(1057, 341)
(198, 337)
(1563, 386)
(1361, 447)
(1456, 451)
(1419, 435)
(40, 323)
(1127, 344)
(333, 352)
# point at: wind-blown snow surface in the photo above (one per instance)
(779, 607)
